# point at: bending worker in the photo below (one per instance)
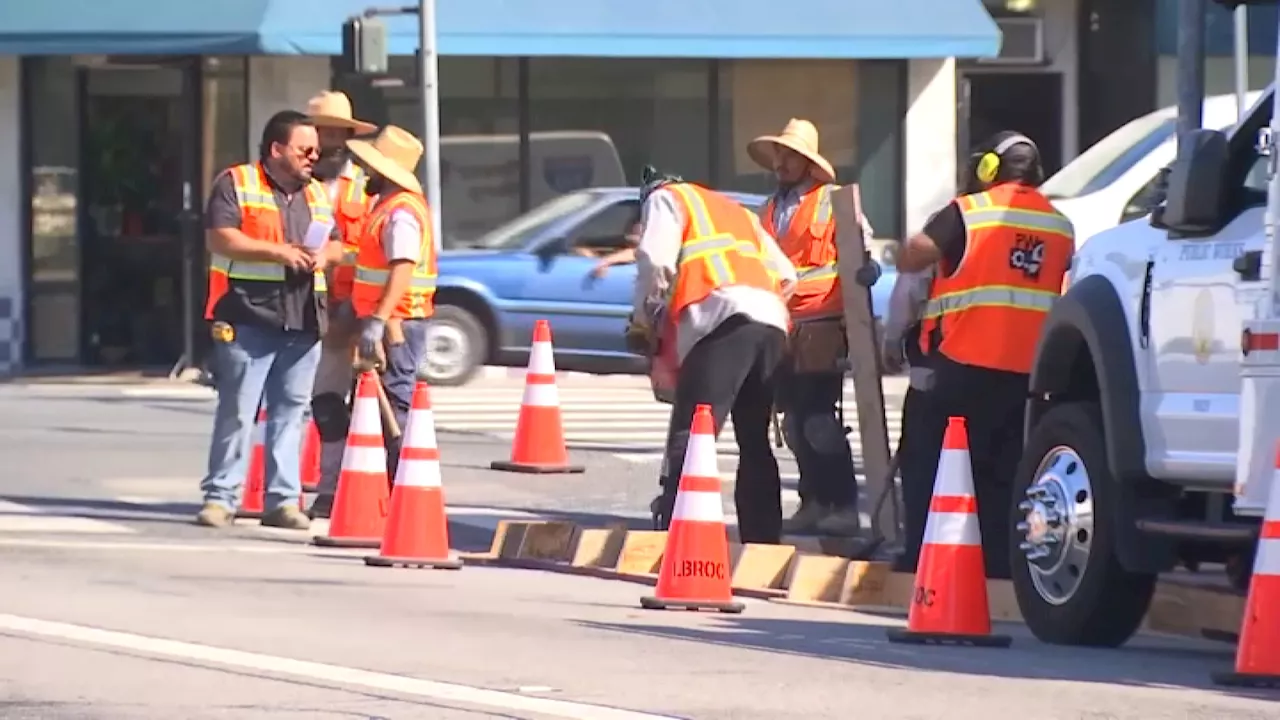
(1001, 253)
(811, 379)
(707, 271)
(270, 232)
(395, 278)
(344, 183)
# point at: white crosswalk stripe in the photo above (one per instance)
(624, 420)
(22, 518)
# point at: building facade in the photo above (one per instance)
(116, 136)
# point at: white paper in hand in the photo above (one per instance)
(317, 235)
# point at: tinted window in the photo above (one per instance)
(607, 228)
(523, 229)
(1105, 162)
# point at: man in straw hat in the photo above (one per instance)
(395, 279)
(998, 254)
(811, 380)
(344, 182)
(712, 281)
(270, 232)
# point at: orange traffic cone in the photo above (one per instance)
(360, 505)
(311, 457)
(949, 603)
(1258, 655)
(539, 445)
(695, 564)
(255, 486)
(417, 533)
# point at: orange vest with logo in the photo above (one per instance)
(260, 219)
(349, 209)
(810, 243)
(719, 248)
(988, 313)
(372, 269)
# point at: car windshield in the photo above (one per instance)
(1111, 157)
(517, 231)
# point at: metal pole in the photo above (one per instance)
(1190, 67)
(1242, 60)
(428, 75)
(1272, 217)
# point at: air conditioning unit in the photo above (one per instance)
(1022, 42)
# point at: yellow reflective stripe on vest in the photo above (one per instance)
(1005, 296)
(253, 193)
(824, 272)
(712, 247)
(822, 212)
(371, 276)
(1030, 220)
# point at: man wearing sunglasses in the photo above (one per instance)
(270, 232)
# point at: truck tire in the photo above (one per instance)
(457, 344)
(1070, 586)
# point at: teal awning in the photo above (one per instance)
(833, 29)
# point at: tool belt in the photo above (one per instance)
(818, 346)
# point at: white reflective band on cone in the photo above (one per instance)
(700, 457)
(359, 458)
(366, 417)
(259, 432)
(541, 395)
(420, 430)
(1267, 561)
(946, 528)
(541, 359)
(955, 475)
(418, 473)
(698, 506)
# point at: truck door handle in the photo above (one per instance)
(1249, 265)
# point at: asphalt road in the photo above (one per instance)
(115, 607)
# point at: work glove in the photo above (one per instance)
(638, 337)
(893, 355)
(372, 330)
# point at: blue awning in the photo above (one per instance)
(834, 29)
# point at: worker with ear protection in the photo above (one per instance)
(999, 254)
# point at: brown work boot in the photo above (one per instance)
(214, 515)
(841, 522)
(806, 519)
(288, 517)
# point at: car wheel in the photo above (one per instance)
(1070, 586)
(456, 347)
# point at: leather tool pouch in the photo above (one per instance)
(818, 346)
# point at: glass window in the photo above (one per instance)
(608, 228)
(597, 122)
(1111, 157)
(52, 131)
(479, 129)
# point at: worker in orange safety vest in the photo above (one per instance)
(394, 286)
(811, 380)
(344, 181)
(999, 254)
(709, 275)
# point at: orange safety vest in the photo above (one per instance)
(260, 219)
(373, 270)
(719, 248)
(349, 210)
(810, 243)
(989, 312)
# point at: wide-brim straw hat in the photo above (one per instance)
(393, 154)
(800, 136)
(333, 109)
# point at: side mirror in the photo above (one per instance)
(1197, 182)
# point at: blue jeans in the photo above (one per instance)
(276, 369)
(398, 380)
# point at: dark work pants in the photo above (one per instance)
(399, 379)
(732, 370)
(918, 448)
(816, 437)
(992, 403)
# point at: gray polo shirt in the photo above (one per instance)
(296, 307)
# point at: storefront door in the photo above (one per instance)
(139, 190)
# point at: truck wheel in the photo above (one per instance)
(1070, 585)
(456, 347)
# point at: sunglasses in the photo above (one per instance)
(310, 151)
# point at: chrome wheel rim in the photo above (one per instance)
(1057, 525)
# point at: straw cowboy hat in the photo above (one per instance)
(800, 136)
(394, 155)
(333, 109)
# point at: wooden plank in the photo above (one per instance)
(864, 355)
(641, 552)
(864, 584)
(599, 547)
(760, 567)
(816, 578)
(548, 541)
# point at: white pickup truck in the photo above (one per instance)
(1145, 449)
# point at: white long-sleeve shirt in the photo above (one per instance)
(657, 260)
